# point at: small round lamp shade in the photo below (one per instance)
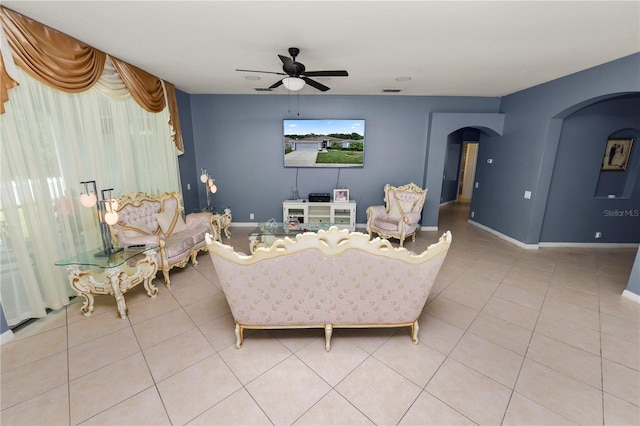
(111, 218)
(88, 200)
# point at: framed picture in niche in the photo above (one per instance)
(616, 155)
(341, 195)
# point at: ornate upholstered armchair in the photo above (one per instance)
(399, 218)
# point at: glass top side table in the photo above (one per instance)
(118, 273)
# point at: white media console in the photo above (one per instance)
(339, 213)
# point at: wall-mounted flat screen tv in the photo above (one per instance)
(323, 143)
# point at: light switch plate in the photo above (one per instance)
(527, 194)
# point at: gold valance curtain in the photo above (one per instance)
(145, 88)
(51, 57)
(6, 83)
(174, 117)
(61, 62)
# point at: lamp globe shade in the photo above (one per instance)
(88, 200)
(111, 218)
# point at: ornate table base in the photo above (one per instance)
(115, 281)
(220, 223)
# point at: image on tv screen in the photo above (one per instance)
(323, 143)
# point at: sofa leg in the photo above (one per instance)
(328, 330)
(194, 261)
(414, 332)
(167, 281)
(239, 331)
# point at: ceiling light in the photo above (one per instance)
(293, 83)
(252, 77)
(403, 78)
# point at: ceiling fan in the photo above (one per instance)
(297, 75)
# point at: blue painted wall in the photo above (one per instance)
(189, 173)
(575, 180)
(3, 321)
(238, 139)
(634, 279)
(524, 156)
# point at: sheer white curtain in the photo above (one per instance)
(51, 141)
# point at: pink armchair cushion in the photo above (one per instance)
(171, 222)
(388, 224)
(199, 220)
(402, 202)
(178, 245)
(137, 221)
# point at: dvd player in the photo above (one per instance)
(319, 197)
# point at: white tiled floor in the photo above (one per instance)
(509, 336)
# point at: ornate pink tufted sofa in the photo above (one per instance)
(328, 279)
(157, 219)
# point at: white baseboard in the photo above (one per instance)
(588, 245)
(631, 296)
(6, 336)
(243, 224)
(552, 244)
(505, 237)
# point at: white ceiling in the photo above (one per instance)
(448, 48)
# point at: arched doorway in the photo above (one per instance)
(442, 125)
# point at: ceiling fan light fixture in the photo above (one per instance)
(293, 83)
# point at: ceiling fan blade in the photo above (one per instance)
(337, 73)
(276, 84)
(266, 72)
(315, 84)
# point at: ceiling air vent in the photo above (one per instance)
(391, 90)
(262, 89)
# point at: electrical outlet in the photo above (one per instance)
(477, 184)
(188, 187)
(250, 216)
(527, 195)
(473, 214)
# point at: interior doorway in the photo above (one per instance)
(467, 171)
(459, 166)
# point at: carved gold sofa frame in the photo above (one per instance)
(329, 279)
